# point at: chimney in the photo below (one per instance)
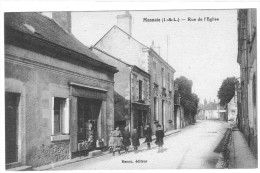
(124, 21)
(63, 19)
(156, 49)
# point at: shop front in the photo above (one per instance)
(140, 117)
(88, 115)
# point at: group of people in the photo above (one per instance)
(119, 140)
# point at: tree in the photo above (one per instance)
(189, 100)
(227, 90)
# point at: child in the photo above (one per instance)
(148, 136)
(135, 140)
(126, 139)
(159, 138)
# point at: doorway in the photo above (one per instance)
(163, 114)
(141, 120)
(11, 127)
(88, 114)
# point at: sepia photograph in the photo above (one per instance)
(130, 89)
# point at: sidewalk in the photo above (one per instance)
(78, 159)
(241, 155)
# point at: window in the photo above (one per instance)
(60, 116)
(163, 114)
(162, 76)
(140, 90)
(155, 74)
(155, 109)
(169, 82)
(134, 87)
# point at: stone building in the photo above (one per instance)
(57, 92)
(120, 43)
(231, 108)
(247, 59)
(131, 98)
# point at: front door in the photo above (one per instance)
(141, 122)
(11, 127)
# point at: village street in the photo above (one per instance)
(193, 147)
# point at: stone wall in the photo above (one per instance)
(47, 154)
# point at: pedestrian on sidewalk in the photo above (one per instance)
(159, 138)
(135, 140)
(117, 140)
(126, 139)
(148, 136)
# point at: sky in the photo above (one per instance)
(203, 51)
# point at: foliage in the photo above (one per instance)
(189, 100)
(227, 90)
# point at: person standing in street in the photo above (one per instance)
(126, 139)
(148, 136)
(135, 140)
(111, 141)
(117, 140)
(159, 138)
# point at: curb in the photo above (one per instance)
(224, 148)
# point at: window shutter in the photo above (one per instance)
(52, 116)
(143, 90)
(65, 118)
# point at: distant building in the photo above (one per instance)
(57, 92)
(201, 112)
(118, 42)
(131, 98)
(211, 110)
(247, 59)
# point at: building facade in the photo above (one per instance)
(57, 92)
(132, 101)
(232, 108)
(120, 43)
(247, 59)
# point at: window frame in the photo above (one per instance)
(64, 116)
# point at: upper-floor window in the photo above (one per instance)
(154, 71)
(169, 81)
(134, 87)
(140, 90)
(172, 83)
(162, 76)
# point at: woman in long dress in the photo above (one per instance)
(111, 141)
(117, 140)
(126, 139)
(135, 140)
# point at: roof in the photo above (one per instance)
(45, 28)
(137, 42)
(211, 106)
(136, 68)
(123, 32)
